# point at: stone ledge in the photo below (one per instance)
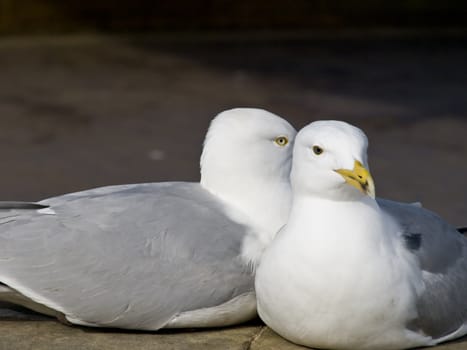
(22, 332)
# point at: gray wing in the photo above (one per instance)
(125, 256)
(442, 253)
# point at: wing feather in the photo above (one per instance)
(442, 255)
(126, 256)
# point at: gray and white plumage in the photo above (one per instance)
(441, 252)
(154, 255)
(351, 272)
(118, 259)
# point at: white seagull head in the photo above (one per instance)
(244, 146)
(246, 162)
(330, 161)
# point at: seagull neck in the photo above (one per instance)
(330, 217)
(262, 204)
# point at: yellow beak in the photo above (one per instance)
(360, 178)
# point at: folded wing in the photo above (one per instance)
(130, 256)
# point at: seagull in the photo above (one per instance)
(156, 255)
(350, 272)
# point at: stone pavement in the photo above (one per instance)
(20, 333)
(25, 331)
(84, 111)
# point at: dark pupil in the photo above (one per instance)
(318, 150)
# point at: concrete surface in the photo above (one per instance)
(85, 111)
(44, 335)
(28, 331)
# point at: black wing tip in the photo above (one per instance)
(462, 230)
(21, 205)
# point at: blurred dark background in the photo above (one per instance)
(108, 92)
(26, 16)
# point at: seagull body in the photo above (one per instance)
(350, 272)
(149, 256)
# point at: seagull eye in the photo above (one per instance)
(317, 150)
(281, 141)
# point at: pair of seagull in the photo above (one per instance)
(331, 266)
